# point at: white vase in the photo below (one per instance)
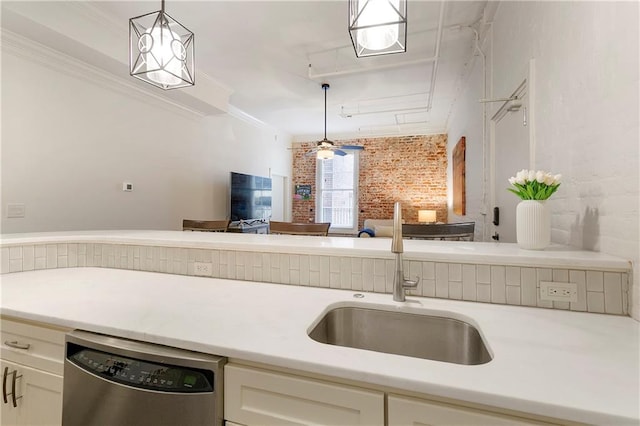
(533, 224)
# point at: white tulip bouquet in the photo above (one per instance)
(534, 185)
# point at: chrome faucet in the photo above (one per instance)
(399, 282)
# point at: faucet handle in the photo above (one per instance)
(410, 283)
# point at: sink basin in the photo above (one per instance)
(422, 336)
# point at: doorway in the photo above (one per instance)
(279, 198)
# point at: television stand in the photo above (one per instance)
(249, 227)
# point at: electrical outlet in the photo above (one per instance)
(561, 292)
(203, 269)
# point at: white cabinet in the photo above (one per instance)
(259, 397)
(31, 364)
(405, 411)
(38, 396)
(256, 396)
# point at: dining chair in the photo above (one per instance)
(462, 231)
(205, 225)
(292, 228)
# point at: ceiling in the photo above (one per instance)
(273, 56)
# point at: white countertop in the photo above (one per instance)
(575, 366)
(443, 251)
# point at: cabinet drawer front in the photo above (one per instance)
(259, 397)
(36, 346)
(404, 411)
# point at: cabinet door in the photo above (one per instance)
(8, 414)
(39, 397)
(404, 411)
(259, 397)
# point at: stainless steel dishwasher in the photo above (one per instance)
(110, 381)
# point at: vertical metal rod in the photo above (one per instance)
(162, 7)
(325, 87)
(14, 398)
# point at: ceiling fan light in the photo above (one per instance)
(378, 27)
(161, 51)
(325, 154)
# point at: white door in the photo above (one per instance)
(279, 198)
(510, 154)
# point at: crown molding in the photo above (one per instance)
(248, 118)
(28, 49)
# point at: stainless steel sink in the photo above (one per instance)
(401, 333)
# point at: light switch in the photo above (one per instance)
(15, 210)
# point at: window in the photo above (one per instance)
(337, 198)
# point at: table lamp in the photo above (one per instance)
(426, 216)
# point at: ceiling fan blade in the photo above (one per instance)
(339, 152)
(356, 147)
(310, 153)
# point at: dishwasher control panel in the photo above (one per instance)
(142, 374)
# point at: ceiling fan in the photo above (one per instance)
(326, 149)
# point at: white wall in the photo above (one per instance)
(69, 143)
(587, 115)
(467, 120)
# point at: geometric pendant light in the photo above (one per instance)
(378, 27)
(161, 51)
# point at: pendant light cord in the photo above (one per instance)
(325, 87)
(325, 112)
(162, 7)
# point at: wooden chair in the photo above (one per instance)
(205, 225)
(290, 228)
(439, 231)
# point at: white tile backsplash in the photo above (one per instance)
(367, 274)
(29, 258)
(498, 284)
(52, 256)
(15, 253)
(15, 265)
(469, 282)
(4, 256)
(345, 273)
(304, 270)
(484, 274)
(484, 293)
(455, 272)
(528, 287)
(324, 271)
(595, 302)
(442, 280)
(598, 291)
(595, 281)
(513, 295)
(580, 279)
(613, 293)
(455, 290)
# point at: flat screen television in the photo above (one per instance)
(250, 197)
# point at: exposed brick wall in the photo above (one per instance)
(409, 169)
(304, 173)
